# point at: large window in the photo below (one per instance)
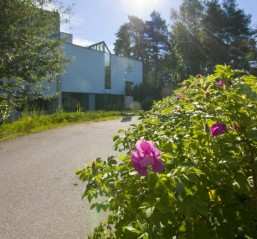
(102, 47)
(107, 68)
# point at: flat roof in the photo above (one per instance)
(91, 49)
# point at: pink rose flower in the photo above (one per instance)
(178, 97)
(146, 154)
(220, 83)
(218, 129)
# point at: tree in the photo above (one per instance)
(122, 46)
(130, 39)
(228, 27)
(157, 46)
(136, 36)
(146, 41)
(213, 29)
(185, 36)
(208, 33)
(30, 50)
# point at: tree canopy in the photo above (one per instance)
(208, 33)
(202, 34)
(147, 41)
(30, 51)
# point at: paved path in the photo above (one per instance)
(39, 198)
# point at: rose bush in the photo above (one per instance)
(204, 141)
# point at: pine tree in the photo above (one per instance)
(136, 32)
(186, 37)
(146, 41)
(122, 46)
(157, 45)
(228, 32)
(208, 33)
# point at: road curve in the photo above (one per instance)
(40, 196)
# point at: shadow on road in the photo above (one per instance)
(126, 119)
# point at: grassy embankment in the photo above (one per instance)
(32, 123)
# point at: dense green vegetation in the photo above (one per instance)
(147, 41)
(188, 170)
(202, 34)
(30, 52)
(31, 123)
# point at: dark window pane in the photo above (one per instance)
(107, 66)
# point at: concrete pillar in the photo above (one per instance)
(59, 92)
(91, 101)
(128, 102)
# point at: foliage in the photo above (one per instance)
(30, 49)
(206, 33)
(123, 42)
(146, 93)
(4, 110)
(146, 41)
(202, 35)
(207, 135)
(35, 122)
(130, 39)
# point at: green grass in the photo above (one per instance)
(32, 123)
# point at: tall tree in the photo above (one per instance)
(213, 23)
(206, 33)
(130, 39)
(228, 28)
(144, 40)
(136, 33)
(147, 41)
(30, 51)
(157, 45)
(185, 36)
(122, 46)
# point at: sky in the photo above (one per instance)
(92, 21)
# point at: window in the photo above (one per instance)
(102, 47)
(107, 68)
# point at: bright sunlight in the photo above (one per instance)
(140, 5)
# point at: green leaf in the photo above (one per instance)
(131, 229)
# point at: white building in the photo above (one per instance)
(94, 78)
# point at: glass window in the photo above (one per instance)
(107, 67)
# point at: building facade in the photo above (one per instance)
(94, 78)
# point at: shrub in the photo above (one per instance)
(207, 138)
(146, 93)
(4, 111)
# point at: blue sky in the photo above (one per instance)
(96, 20)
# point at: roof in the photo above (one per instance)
(100, 46)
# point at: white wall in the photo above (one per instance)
(85, 72)
(125, 69)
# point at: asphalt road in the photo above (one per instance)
(40, 195)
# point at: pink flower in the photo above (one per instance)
(218, 129)
(220, 83)
(178, 97)
(146, 154)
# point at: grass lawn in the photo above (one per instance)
(28, 124)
